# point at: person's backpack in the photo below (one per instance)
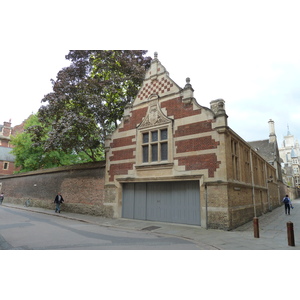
(286, 200)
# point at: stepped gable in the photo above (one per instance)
(156, 82)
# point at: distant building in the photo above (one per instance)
(7, 160)
(290, 155)
(268, 149)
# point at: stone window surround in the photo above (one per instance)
(5, 165)
(169, 141)
(235, 159)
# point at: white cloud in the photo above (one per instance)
(246, 52)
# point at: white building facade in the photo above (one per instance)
(290, 155)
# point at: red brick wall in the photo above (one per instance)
(122, 154)
(82, 187)
(194, 128)
(136, 118)
(175, 107)
(18, 128)
(11, 168)
(6, 129)
(4, 143)
(121, 142)
(119, 169)
(202, 143)
(200, 162)
(122, 168)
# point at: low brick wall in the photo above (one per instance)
(82, 187)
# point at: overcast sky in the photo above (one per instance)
(245, 52)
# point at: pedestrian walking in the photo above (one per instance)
(287, 204)
(1, 198)
(58, 200)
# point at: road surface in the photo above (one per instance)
(26, 230)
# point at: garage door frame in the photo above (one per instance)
(171, 201)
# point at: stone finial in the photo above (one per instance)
(188, 85)
(188, 94)
(154, 67)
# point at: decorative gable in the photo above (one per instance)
(157, 81)
(164, 128)
(154, 115)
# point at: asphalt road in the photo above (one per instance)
(26, 230)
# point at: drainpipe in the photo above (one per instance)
(252, 179)
(206, 210)
(268, 180)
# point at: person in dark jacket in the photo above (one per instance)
(1, 198)
(58, 200)
(287, 203)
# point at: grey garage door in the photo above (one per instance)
(174, 202)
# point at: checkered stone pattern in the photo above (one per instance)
(155, 87)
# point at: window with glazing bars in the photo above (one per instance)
(155, 146)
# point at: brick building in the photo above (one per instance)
(6, 158)
(169, 160)
(173, 160)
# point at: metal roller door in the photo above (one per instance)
(174, 202)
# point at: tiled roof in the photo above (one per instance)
(5, 154)
(264, 148)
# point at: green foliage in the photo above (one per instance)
(88, 99)
(30, 157)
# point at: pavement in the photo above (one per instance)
(272, 229)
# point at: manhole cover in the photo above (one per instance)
(150, 228)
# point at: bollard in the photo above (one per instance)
(256, 227)
(290, 233)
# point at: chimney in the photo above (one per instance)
(218, 107)
(272, 135)
(7, 128)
